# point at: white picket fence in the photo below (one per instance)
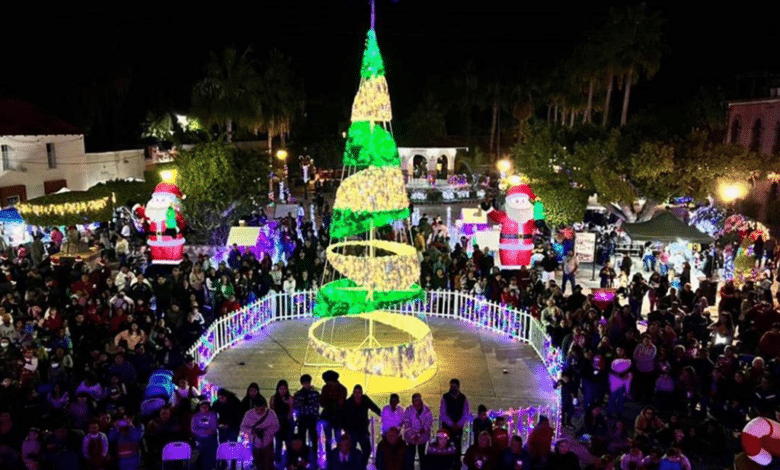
(515, 324)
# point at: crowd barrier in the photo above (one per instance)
(514, 324)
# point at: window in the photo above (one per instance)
(11, 200)
(51, 155)
(6, 158)
(755, 139)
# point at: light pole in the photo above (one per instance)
(503, 167)
(732, 192)
(282, 155)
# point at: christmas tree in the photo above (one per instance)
(375, 273)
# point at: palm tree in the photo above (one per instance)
(638, 43)
(282, 98)
(466, 84)
(230, 92)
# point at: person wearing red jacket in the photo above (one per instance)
(190, 371)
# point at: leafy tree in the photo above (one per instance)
(630, 176)
(219, 182)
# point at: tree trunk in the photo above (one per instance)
(493, 124)
(589, 109)
(605, 116)
(549, 110)
(229, 130)
(284, 140)
(571, 122)
(626, 97)
(555, 118)
(270, 143)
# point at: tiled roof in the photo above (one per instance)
(19, 117)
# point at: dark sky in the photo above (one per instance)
(60, 59)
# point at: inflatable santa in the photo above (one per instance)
(164, 224)
(518, 224)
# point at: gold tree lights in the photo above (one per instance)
(378, 274)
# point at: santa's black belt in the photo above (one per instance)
(517, 236)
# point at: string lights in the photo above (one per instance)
(382, 273)
(66, 213)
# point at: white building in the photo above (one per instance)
(418, 163)
(42, 154)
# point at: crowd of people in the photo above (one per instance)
(699, 371)
(79, 341)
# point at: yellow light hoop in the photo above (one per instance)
(381, 273)
(408, 360)
(372, 101)
(375, 189)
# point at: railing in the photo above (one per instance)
(515, 324)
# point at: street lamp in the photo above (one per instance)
(281, 154)
(503, 166)
(730, 192)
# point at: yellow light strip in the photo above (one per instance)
(382, 273)
(62, 209)
(408, 360)
(372, 101)
(375, 189)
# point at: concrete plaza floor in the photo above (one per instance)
(475, 356)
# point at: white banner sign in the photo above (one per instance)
(585, 247)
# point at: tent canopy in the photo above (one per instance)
(10, 215)
(665, 228)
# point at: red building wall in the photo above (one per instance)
(755, 124)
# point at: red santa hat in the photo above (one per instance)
(79, 259)
(167, 189)
(520, 190)
(55, 260)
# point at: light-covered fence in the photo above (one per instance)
(514, 324)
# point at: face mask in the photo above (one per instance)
(4, 345)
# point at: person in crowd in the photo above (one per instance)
(442, 453)
(298, 455)
(205, 429)
(514, 457)
(540, 441)
(392, 414)
(332, 400)
(391, 451)
(454, 412)
(481, 455)
(344, 456)
(306, 404)
(354, 416)
(229, 415)
(282, 404)
(417, 424)
(563, 457)
(252, 392)
(260, 425)
(481, 423)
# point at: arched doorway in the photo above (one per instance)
(736, 129)
(755, 139)
(441, 168)
(420, 166)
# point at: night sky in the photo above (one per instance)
(70, 59)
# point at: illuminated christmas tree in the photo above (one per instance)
(377, 273)
(368, 270)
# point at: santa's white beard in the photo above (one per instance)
(156, 213)
(520, 215)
